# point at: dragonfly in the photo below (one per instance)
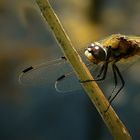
(111, 50)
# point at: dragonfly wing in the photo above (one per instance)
(45, 73)
(69, 82)
(58, 72)
(124, 66)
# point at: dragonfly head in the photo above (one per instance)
(95, 53)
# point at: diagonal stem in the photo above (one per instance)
(114, 124)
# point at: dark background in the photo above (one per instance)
(35, 113)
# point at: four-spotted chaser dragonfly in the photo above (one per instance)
(111, 50)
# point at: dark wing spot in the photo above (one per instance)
(28, 69)
(60, 78)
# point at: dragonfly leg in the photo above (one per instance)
(115, 81)
(103, 69)
(122, 81)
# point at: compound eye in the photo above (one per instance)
(98, 51)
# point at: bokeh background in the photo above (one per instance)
(35, 113)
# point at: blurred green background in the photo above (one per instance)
(35, 113)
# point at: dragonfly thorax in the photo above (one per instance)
(95, 52)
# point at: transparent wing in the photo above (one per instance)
(68, 82)
(49, 73)
(44, 74)
(57, 72)
(125, 64)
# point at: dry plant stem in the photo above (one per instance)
(114, 124)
